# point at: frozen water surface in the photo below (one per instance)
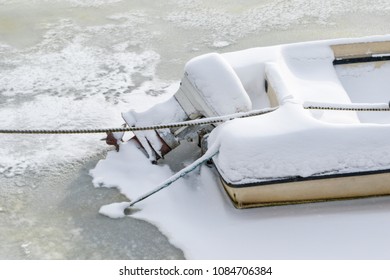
(56, 217)
(76, 64)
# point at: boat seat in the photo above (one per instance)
(313, 78)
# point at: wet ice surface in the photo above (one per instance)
(79, 63)
(56, 217)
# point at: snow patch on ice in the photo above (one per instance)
(117, 168)
(221, 44)
(114, 210)
(77, 70)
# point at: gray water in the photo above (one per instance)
(79, 63)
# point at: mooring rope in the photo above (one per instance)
(346, 109)
(141, 128)
(313, 106)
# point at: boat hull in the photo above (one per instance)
(308, 190)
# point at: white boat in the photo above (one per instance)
(326, 135)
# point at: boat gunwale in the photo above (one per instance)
(362, 59)
(251, 195)
(294, 179)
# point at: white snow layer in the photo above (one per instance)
(218, 84)
(292, 141)
(196, 214)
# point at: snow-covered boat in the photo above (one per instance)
(326, 137)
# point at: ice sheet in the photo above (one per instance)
(137, 48)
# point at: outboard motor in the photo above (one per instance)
(210, 88)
